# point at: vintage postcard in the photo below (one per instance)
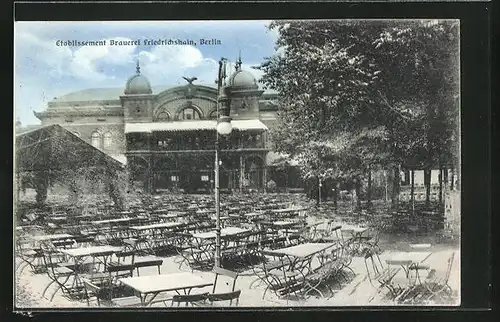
(284, 163)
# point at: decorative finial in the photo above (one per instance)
(238, 62)
(138, 68)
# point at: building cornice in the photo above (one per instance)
(78, 113)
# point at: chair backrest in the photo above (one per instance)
(126, 253)
(266, 242)
(373, 265)
(93, 289)
(89, 286)
(67, 243)
(51, 258)
(120, 268)
(189, 298)
(450, 265)
(230, 296)
(221, 271)
(83, 239)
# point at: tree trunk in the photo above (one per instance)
(369, 188)
(395, 188)
(114, 191)
(317, 192)
(18, 187)
(427, 176)
(452, 179)
(412, 187)
(41, 187)
(73, 192)
(441, 171)
(358, 193)
(286, 179)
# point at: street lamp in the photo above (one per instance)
(224, 128)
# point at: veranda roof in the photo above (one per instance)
(242, 125)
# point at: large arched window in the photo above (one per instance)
(108, 140)
(189, 113)
(96, 139)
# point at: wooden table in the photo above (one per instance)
(58, 218)
(284, 210)
(79, 255)
(205, 211)
(111, 221)
(166, 225)
(155, 284)
(302, 250)
(225, 232)
(406, 259)
(91, 251)
(252, 215)
(300, 257)
(173, 215)
(53, 237)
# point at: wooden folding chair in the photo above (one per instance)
(59, 274)
(436, 283)
(378, 274)
(229, 296)
(190, 299)
(216, 296)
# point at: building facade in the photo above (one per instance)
(166, 135)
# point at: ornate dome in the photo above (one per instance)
(138, 84)
(242, 79)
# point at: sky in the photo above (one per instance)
(44, 70)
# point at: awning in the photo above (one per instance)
(242, 125)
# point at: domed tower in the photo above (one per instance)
(137, 99)
(244, 93)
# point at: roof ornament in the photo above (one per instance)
(190, 80)
(190, 89)
(238, 62)
(138, 68)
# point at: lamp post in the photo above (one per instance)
(320, 184)
(224, 128)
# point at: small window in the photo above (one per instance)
(76, 133)
(108, 140)
(189, 113)
(174, 178)
(204, 178)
